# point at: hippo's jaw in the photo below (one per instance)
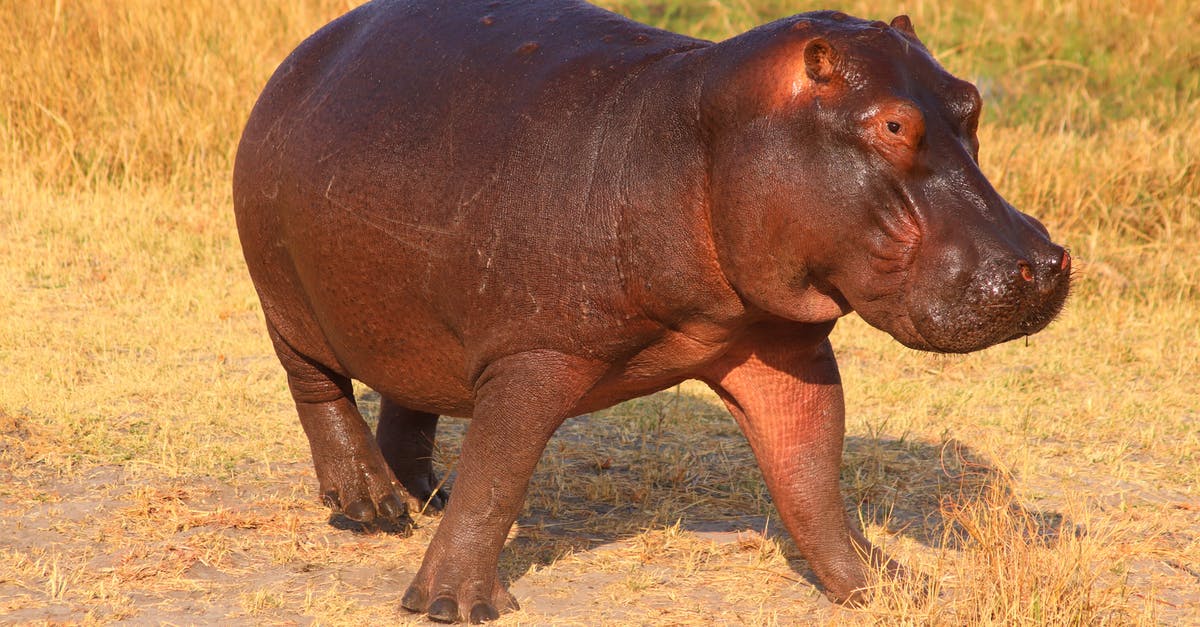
(959, 301)
(998, 307)
(989, 311)
(956, 280)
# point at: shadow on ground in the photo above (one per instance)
(678, 459)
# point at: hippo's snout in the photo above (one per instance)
(989, 296)
(1044, 272)
(1043, 285)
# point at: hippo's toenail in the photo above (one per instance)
(361, 511)
(393, 508)
(414, 599)
(482, 613)
(444, 610)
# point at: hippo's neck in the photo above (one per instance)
(667, 261)
(675, 266)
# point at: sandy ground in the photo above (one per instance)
(133, 545)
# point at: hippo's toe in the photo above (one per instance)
(368, 501)
(427, 497)
(448, 608)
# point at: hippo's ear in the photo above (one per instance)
(903, 24)
(819, 60)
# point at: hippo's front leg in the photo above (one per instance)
(783, 387)
(520, 401)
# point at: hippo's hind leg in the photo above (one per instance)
(519, 402)
(354, 478)
(406, 438)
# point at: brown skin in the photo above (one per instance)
(526, 211)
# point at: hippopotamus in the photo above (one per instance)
(524, 211)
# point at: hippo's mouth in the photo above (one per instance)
(981, 315)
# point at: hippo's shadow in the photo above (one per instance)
(674, 458)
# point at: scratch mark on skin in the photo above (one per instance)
(487, 184)
(536, 307)
(487, 267)
(401, 224)
(413, 243)
(492, 246)
(621, 225)
(329, 187)
(386, 226)
(601, 137)
(309, 110)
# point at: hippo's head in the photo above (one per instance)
(844, 175)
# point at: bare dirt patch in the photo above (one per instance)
(628, 522)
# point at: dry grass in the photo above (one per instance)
(153, 469)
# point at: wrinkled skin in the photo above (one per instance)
(525, 211)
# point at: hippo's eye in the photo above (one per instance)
(895, 128)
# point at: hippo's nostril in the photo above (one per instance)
(1026, 271)
(1065, 266)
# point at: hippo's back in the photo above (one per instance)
(402, 163)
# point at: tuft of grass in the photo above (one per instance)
(1000, 561)
(261, 601)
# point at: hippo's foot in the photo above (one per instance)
(426, 497)
(363, 491)
(453, 597)
(855, 585)
(405, 438)
(354, 478)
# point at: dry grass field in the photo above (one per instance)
(152, 469)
